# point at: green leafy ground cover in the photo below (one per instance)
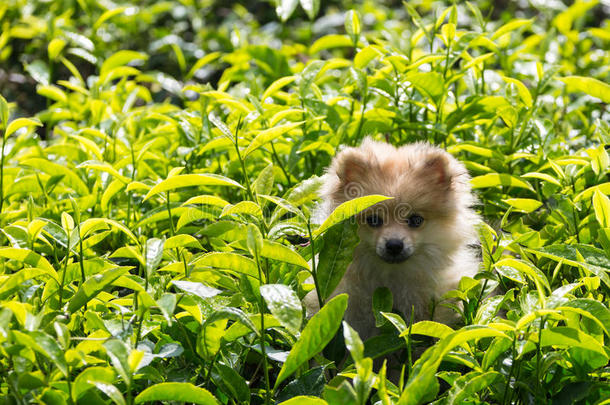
(159, 173)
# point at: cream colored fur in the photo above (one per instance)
(423, 180)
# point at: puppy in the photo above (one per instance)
(415, 244)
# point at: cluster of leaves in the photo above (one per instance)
(158, 241)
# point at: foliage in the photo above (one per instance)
(157, 211)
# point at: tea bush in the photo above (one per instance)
(159, 174)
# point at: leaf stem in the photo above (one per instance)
(314, 272)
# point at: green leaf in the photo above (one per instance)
(45, 345)
(154, 254)
(254, 240)
(198, 289)
(84, 381)
(264, 181)
(118, 352)
(587, 257)
(601, 205)
(523, 91)
(348, 209)
(589, 85)
(70, 179)
(104, 167)
(498, 180)
(352, 24)
(39, 71)
(276, 85)
(353, 343)
(523, 204)
(428, 83)
(176, 391)
(52, 92)
(269, 135)
(201, 62)
(422, 385)
(329, 42)
(285, 8)
(592, 309)
(107, 15)
(93, 286)
(113, 392)
(532, 272)
(234, 314)
(189, 180)
(284, 304)
(120, 58)
(180, 241)
(366, 55)
(19, 123)
(315, 336)
(94, 223)
(570, 337)
(55, 47)
(429, 328)
(208, 200)
(311, 7)
(336, 254)
(228, 380)
(231, 261)
(243, 207)
(277, 251)
(308, 76)
(305, 400)
(16, 280)
(224, 129)
(542, 176)
(29, 257)
(511, 26)
(466, 388)
(397, 321)
(4, 111)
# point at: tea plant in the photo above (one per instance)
(158, 200)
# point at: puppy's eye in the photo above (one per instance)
(374, 221)
(415, 221)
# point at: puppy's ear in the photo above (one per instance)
(436, 169)
(351, 165)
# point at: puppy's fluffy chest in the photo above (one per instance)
(414, 285)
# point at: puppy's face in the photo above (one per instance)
(394, 231)
(423, 214)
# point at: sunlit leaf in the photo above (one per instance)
(348, 209)
(176, 391)
(589, 85)
(315, 336)
(190, 180)
(284, 304)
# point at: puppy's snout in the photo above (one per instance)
(394, 250)
(394, 246)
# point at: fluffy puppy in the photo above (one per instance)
(415, 244)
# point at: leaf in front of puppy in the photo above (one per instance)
(335, 255)
(315, 336)
(422, 385)
(348, 209)
(382, 302)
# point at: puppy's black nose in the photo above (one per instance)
(394, 246)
